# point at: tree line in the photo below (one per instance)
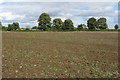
(45, 24)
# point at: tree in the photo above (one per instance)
(84, 26)
(10, 27)
(116, 26)
(92, 23)
(57, 24)
(0, 25)
(96, 25)
(68, 25)
(15, 26)
(102, 23)
(4, 28)
(35, 27)
(80, 27)
(44, 21)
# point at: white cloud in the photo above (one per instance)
(62, 18)
(1, 1)
(28, 24)
(28, 13)
(61, 0)
(10, 16)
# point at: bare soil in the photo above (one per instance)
(60, 54)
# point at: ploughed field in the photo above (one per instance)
(60, 54)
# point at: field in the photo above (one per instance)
(60, 54)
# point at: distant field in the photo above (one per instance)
(60, 54)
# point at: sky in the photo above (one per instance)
(27, 13)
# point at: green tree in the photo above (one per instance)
(84, 26)
(102, 23)
(96, 25)
(92, 23)
(4, 28)
(0, 25)
(15, 26)
(116, 26)
(80, 27)
(68, 25)
(35, 27)
(10, 27)
(44, 21)
(57, 24)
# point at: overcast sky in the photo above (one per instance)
(27, 13)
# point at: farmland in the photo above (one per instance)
(60, 54)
